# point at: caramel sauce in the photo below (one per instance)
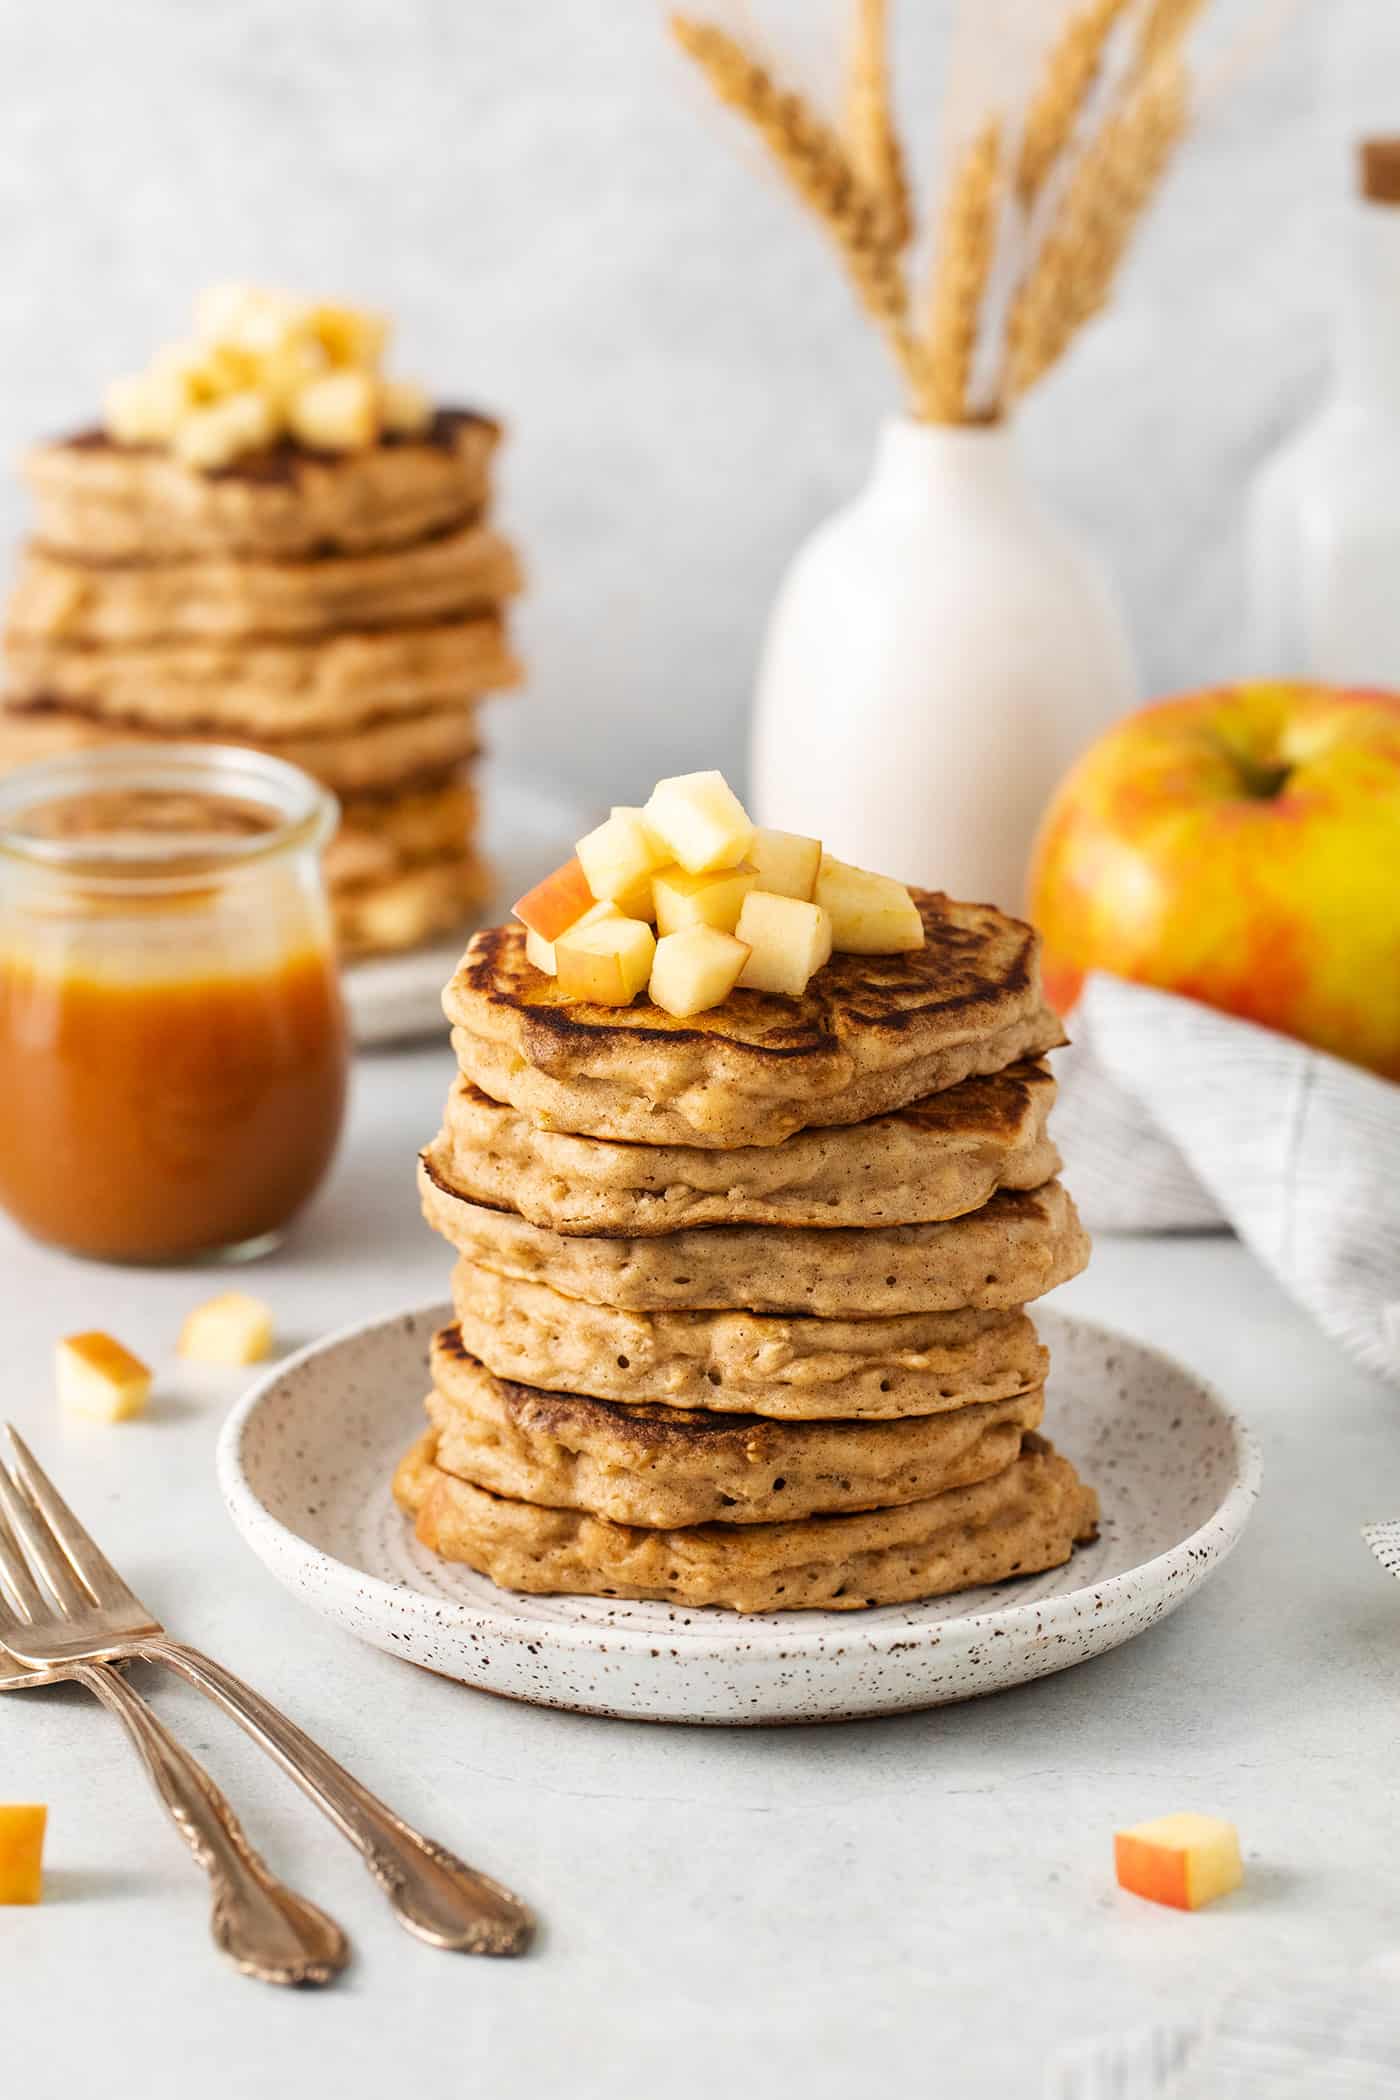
(148, 1118)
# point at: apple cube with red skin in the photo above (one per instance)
(22, 1825)
(695, 969)
(788, 941)
(542, 953)
(607, 962)
(557, 903)
(1183, 1860)
(699, 821)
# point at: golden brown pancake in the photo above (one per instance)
(1028, 1517)
(792, 1368)
(870, 1034)
(936, 1159)
(1018, 1246)
(665, 1466)
(101, 499)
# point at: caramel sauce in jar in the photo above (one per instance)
(173, 1050)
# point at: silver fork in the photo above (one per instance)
(433, 1893)
(265, 1928)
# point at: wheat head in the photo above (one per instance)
(967, 235)
(1067, 77)
(1114, 180)
(816, 163)
(876, 153)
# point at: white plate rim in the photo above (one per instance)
(1200, 1550)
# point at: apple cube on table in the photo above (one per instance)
(714, 900)
(788, 939)
(234, 1329)
(699, 821)
(695, 969)
(22, 1826)
(785, 863)
(607, 962)
(619, 859)
(1184, 1860)
(98, 1378)
(870, 914)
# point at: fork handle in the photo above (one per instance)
(265, 1928)
(434, 1894)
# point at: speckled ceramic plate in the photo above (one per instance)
(305, 1461)
(526, 831)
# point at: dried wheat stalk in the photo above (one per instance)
(1163, 27)
(1067, 79)
(811, 155)
(875, 149)
(1071, 277)
(967, 234)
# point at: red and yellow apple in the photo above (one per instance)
(1240, 847)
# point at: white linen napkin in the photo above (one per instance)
(1173, 1117)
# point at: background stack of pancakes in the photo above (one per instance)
(740, 1299)
(343, 611)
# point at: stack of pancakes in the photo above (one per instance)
(740, 1299)
(343, 611)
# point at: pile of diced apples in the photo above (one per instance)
(731, 906)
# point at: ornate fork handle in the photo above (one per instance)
(265, 1928)
(435, 1894)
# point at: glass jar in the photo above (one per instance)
(173, 1049)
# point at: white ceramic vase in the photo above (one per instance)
(938, 653)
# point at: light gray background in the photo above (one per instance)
(569, 233)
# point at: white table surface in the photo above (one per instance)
(920, 1905)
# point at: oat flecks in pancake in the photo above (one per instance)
(666, 1466)
(1023, 1519)
(1017, 1247)
(935, 1159)
(871, 1034)
(794, 1368)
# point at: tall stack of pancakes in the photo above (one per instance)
(341, 610)
(741, 1299)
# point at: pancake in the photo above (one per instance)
(101, 499)
(793, 1368)
(1018, 1246)
(665, 1466)
(406, 910)
(377, 755)
(64, 598)
(938, 1158)
(870, 1034)
(267, 689)
(381, 835)
(1021, 1520)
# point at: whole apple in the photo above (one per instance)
(1240, 847)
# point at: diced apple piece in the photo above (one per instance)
(541, 952)
(404, 407)
(786, 864)
(98, 1378)
(22, 1826)
(606, 963)
(233, 1329)
(695, 969)
(336, 413)
(701, 900)
(870, 914)
(700, 821)
(789, 941)
(1184, 1860)
(557, 903)
(620, 857)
